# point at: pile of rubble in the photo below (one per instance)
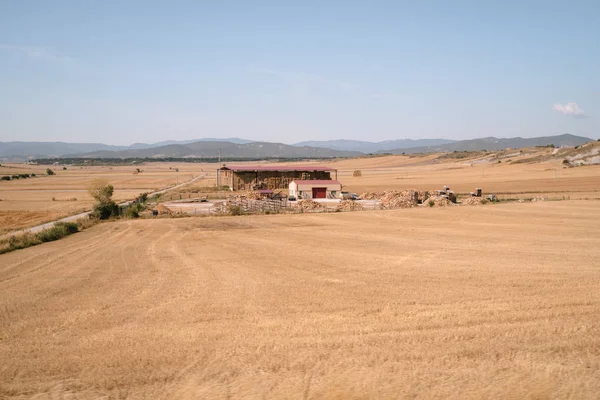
(471, 201)
(249, 195)
(439, 201)
(221, 207)
(349, 205)
(371, 195)
(398, 198)
(163, 210)
(308, 205)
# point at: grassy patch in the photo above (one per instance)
(56, 232)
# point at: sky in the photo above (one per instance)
(120, 72)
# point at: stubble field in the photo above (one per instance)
(497, 301)
(28, 202)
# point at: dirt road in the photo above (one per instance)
(464, 302)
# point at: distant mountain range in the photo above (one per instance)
(59, 149)
(373, 147)
(167, 142)
(211, 149)
(492, 143)
(242, 148)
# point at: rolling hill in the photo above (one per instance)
(25, 150)
(206, 149)
(372, 147)
(493, 143)
(50, 149)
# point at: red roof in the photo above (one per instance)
(283, 168)
(316, 182)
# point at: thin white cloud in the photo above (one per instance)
(570, 109)
(38, 52)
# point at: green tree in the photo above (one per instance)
(102, 192)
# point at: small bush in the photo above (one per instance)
(19, 242)
(499, 161)
(15, 176)
(33, 175)
(49, 172)
(105, 210)
(64, 168)
(431, 203)
(566, 162)
(267, 212)
(143, 197)
(235, 210)
(54, 233)
(132, 211)
(357, 173)
(6, 178)
(71, 227)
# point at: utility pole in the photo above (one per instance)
(219, 158)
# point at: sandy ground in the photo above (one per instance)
(495, 301)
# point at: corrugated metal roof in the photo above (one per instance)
(316, 182)
(282, 168)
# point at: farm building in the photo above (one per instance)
(257, 177)
(315, 189)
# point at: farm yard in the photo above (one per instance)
(495, 301)
(28, 202)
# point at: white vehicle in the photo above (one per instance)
(348, 196)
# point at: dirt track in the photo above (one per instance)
(470, 302)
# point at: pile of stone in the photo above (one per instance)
(163, 210)
(398, 198)
(472, 201)
(349, 205)
(438, 201)
(249, 195)
(308, 205)
(371, 195)
(221, 207)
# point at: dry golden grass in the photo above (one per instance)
(496, 301)
(28, 202)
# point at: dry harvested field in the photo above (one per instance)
(496, 301)
(509, 179)
(27, 202)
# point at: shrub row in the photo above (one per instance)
(56, 232)
(18, 176)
